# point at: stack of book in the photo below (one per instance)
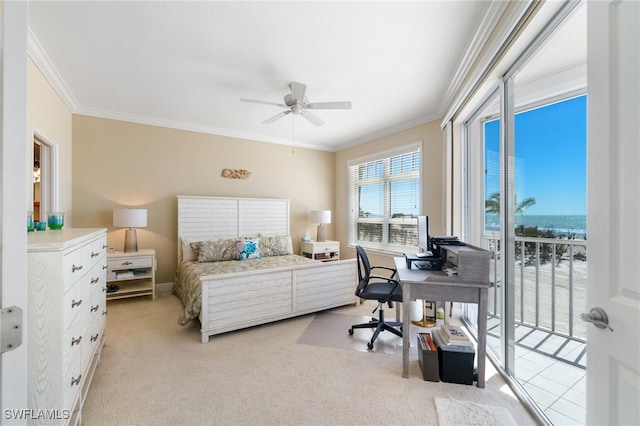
(428, 358)
(453, 335)
(426, 342)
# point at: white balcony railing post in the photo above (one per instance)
(554, 289)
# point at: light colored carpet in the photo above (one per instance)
(154, 371)
(452, 412)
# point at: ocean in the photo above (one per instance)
(561, 224)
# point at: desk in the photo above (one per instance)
(436, 285)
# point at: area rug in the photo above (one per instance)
(331, 330)
(453, 412)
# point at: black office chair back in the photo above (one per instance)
(364, 270)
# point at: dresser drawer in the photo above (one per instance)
(93, 334)
(73, 340)
(72, 380)
(130, 263)
(327, 248)
(73, 305)
(93, 282)
(94, 252)
(73, 268)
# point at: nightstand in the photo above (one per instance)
(325, 251)
(131, 274)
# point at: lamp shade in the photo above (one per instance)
(130, 218)
(320, 216)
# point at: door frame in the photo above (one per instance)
(14, 174)
(49, 173)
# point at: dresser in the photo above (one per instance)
(66, 320)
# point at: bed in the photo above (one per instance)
(272, 284)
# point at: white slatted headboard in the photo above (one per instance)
(212, 218)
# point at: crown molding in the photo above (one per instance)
(505, 17)
(192, 127)
(387, 131)
(474, 48)
(42, 61)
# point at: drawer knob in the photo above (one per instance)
(75, 303)
(104, 266)
(127, 263)
(94, 308)
(104, 312)
(76, 341)
(95, 280)
(75, 382)
(95, 337)
(94, 254)
(75, 268)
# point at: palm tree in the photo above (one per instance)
(492, 204)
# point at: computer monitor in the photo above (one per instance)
(424, 243)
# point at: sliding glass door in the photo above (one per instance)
(526, 202)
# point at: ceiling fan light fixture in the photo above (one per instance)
(297, 102)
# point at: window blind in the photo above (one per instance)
(385, 201)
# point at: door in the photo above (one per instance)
(14, 201)
(613, 66)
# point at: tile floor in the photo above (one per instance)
(552, 370)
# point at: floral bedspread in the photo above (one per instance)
(188, 286)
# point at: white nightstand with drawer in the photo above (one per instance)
(325, 251)
(133, 273)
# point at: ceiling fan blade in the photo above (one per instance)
(276, 117)
(329, 105)
(312, 118)
(297, 90)
(255, 101)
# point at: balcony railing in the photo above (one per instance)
(550, 284)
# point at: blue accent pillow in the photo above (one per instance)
(248, 249)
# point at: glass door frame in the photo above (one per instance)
(472, 231)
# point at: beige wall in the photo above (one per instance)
(432, 181)
(51, 120)
(121, 164)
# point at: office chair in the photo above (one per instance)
(375, 287)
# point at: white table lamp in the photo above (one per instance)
(321, 217)
(130, 218)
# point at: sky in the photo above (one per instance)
(551, 157)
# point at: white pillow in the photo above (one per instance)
(187, 252)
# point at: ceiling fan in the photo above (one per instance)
(297, 102)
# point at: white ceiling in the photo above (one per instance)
(187, 64)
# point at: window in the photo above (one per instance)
(385, 200)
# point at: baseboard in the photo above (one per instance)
(164, 287)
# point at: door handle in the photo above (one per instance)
(598, 317)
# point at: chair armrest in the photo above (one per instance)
(386, 268)
(388, 279)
